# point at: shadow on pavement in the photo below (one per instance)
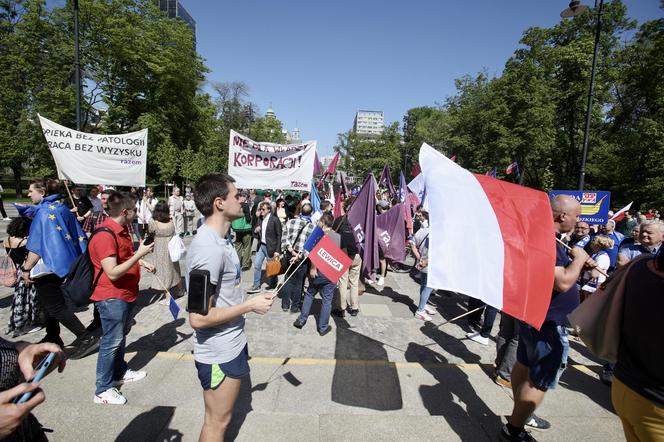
(373, 384)
(241, 409)
(151, 425)
(588, 385)
(162, 339)
(451, 394)
(398, 297)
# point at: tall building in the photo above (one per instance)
(369, 122)
(174, 9)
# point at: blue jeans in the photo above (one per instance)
(111, 365)
(291, 293)
(425, 292)
(261, 255)
(326, 288)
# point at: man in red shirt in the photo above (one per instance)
(115, 293)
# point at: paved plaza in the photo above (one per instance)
(379, 376)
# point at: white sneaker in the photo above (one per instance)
(368, 281)
(430, 310)
(7, 219)
(131, 376)
(381, 281)
(111, 396)
(477, 337)
(422, 316)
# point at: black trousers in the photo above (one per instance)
(2, 208)
(51, 298)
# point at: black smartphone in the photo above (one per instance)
(199, 291)
(149, 238)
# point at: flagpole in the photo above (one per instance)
(593, 267)
(279, 287)
(71, 198)
(459, 317)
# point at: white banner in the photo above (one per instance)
(84, 158)
(270, 166)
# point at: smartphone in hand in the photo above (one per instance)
(149, 238)
(42, 369)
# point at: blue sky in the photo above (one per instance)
(320, 62)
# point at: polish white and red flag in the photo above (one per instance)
(489, 239)
(620, 214)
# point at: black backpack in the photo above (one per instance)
(80, 281)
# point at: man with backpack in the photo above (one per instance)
(242, 229)
(112, 254)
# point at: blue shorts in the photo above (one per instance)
(544, 352)
(213, 375)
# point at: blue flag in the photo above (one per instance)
(55, 236)
(315, 199)
(313, 239)
(174, 308)
(493, 173)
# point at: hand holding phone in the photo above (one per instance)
(149, 238)
(41, 371)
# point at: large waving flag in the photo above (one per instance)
(331, 169)
(362, 221)
(513, 168)
(328, 258)
(391, 233)
(501, 234)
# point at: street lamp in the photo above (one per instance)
(575, 9)
(77, 67)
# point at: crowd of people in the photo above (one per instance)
(236, 224)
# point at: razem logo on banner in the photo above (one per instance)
(256, 165)
(85, 158)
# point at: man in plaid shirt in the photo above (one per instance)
(295, 234)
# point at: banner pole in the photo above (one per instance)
(71, 198)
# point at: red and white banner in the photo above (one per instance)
(490, 239)
(620, 214)
(329, 259)
(270, 166)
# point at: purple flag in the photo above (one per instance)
(316, 164)
(362, 221)
(390, 227)
(386, 180)
(402, 187)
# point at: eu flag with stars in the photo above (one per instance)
(56, 236)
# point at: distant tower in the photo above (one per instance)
(270, 113)
(295, 135)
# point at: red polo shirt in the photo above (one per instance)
(102, 246)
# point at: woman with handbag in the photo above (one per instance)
(24, 315)
(167, 273)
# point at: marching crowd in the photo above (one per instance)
(124, 231)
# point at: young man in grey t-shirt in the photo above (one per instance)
(220, 345)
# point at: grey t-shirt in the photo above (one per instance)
(421, 240)
(209, 251)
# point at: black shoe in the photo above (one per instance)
(253, 290)
(338, 313)
(85, 346)
(285, 309)
(298, 323)
(537, 423)
(326, 331)
(354, 311)
(523, 436)
(295, 310)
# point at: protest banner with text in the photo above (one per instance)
(84, 158)
(256, 165)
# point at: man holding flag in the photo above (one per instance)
(328, 263)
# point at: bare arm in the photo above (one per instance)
(220, 315)
(115, 271)
(565, 277)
